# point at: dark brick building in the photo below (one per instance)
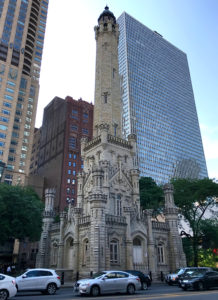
(58, 159)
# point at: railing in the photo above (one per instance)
(110, 219)
(160, 226)
(84, 220)
(55, 226)
(118, 141)
(92, 143)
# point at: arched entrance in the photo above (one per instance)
(69, 252)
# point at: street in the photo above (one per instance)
(156, 291)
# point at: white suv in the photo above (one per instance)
(43, 280)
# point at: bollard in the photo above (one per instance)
(62, 278)
(150, 274)
(161, 276)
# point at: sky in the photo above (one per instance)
(68, 63)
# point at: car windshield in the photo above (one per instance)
(98, 274)
(180, 271)
(195, 273)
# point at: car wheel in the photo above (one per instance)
(3, 294)
(130, 289)
(51, 289)
(184, 288)
(95, 291)
(200, 286)
(144, 286)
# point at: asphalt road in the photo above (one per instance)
(155, 292)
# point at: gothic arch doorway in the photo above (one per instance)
(137, 251)
(69, 252)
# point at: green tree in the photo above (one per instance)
(20, 213)
(151, 195)
(209, 230)
(196, 199)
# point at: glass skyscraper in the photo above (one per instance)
(158, 104)
(22, 30)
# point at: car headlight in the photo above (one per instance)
(84, 285)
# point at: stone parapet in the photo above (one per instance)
(98, 197)
(48, 214)
(111, 219)
(77, 210)
(83, 221)
(118, 141)
(92, 143)
(160, 226)
(171, 211)
(55, 227)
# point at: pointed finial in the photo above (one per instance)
(106, 7)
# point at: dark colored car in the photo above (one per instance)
(189, 271)
(199, 280)
(144, 279)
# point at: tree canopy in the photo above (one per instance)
(151, 195)
(20, 213)
(197, 201)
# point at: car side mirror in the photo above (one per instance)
(24, 276)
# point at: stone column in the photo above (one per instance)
(77, 215)
(43, 258)
(176, 255)
(61, 241)
(129, 249)
(98, 232)
(152, 266)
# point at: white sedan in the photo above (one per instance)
(7, 287)
(107, 282)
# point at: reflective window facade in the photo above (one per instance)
(158, 104)
(23, 24)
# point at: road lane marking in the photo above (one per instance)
(188, 294)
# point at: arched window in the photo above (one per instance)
(160, 253)
(54, 254)
(85, 251)
(118, 205)
(137, 251)
(114, 251)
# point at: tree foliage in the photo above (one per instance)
(20, 213)
(209, 232)
(151, 195)
(197, 201)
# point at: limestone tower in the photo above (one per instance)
(107, 83)
(107, 229)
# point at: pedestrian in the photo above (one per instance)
(9, 269)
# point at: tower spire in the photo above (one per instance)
(107, 82)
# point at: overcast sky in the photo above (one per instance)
(68, 64)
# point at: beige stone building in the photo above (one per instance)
(107, 229)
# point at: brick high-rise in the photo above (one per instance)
(56, 149)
